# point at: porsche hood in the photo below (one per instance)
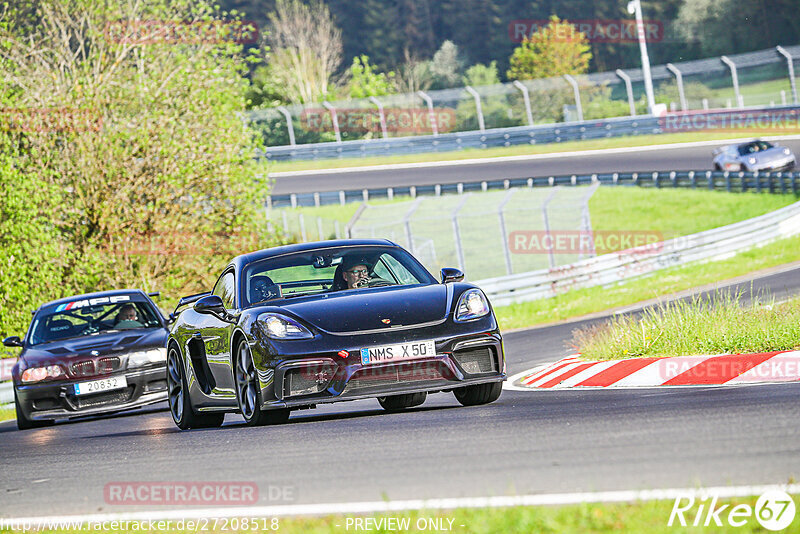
(373, 309)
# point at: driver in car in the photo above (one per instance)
(127, 318)
(356, 275)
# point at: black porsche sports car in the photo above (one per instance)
(294, 326)
(90, 354)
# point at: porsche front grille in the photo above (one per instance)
(476, 361)
(371, 377)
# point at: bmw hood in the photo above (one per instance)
(112, 344)
(373, 309)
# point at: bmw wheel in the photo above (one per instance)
(248, 392)
(180, 405)
(23, 423)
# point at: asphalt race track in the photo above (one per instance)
(643, 159)
(526, 442)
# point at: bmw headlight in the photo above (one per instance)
(279, 326)
(37, 374)
(147, 357)
(471, 305)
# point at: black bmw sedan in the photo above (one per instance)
(90, 354)
(295, 326)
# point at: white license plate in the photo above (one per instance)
(98, 386)
(399, 352)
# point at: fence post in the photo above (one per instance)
(407, 225)
(576, 90)
(502, 219)
(302, 227)
(342, 198)
(431, 114)
(381, 114)
(735, 76)
(679, 78)
(319, 229)
(628, 89)
(546, 221)
(285, 222)
(478, 107)
(348, 228)
(527, 99)
(327, 105)
(289, 125)
(790, 63)
(457, 233)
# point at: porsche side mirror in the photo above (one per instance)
(210, 304)
(452, 275)
(13, 341)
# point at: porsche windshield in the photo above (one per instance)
(85, 317)
(329, 270)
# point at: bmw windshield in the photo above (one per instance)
(85, 317)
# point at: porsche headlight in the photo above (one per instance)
(147, 357)
(471, 305)
(37, 374)
(279, 326)
(752, 160)
(787, 151)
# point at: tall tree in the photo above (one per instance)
(306, 48)
(556, 49)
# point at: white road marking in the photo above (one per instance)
(375, 507)
(526, 157)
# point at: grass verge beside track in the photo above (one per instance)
(517, 150)
(647, 516)
(687, 328)
(7, 414)
(596, 299)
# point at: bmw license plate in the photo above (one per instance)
(98, 386)
(399, 352)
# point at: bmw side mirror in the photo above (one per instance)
(210, 304)
(13, 341)
(451, 275)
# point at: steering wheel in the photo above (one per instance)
(379, 282)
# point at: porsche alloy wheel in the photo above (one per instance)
(248, 392)
(179, 404)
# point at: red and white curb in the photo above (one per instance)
(725, 369)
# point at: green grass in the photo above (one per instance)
(517, 150)
(7, 414)
(596, 299)
(686, 328)
(640, 517)
(672, 212)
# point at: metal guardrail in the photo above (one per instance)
(619, 266)
(516, 135)
(545, 100)
(773, 182)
